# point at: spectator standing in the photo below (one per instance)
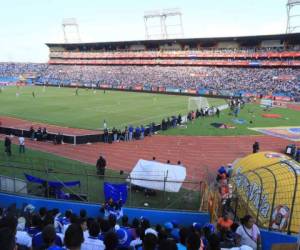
(105, 135)
(218, 112)
(130, 132)
(32, 133)
(100, 166)
(115, 134)
(255, 147)
(248, 233)
(7, 146)
(74, 237)
(92, 242)
(126, 134)
(142, 132)
(49, 238)
(22, 144)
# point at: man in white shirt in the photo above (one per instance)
(22, 237)
(21, 144)
(92, 242)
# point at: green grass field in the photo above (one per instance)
(251, 112)
(55, 168)
(60, 106)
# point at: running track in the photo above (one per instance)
(198, 153)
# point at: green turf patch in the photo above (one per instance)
(251, 113)
(88, 110)
(51, 167)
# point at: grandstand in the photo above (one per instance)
(253, 66)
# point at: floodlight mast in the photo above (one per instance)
(162, 16)
(293, 16)
(70, 23)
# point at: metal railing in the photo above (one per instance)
(190, 196)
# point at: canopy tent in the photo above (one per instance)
(158, 176)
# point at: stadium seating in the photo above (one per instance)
(283, 81)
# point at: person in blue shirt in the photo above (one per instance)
(130, 132)
(36, 225)
(137, 132)
(38, 239)
(142, 132)
(49, 239)
(183, 233)
(124, 238)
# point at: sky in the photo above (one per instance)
(26, 25)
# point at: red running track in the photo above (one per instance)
(198, 154)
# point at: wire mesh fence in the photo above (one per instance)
(189, 197)
(271, 194)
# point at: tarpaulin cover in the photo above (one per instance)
(158, 176)
(54, 184)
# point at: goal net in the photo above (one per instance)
(195, 103)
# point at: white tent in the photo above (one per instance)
(158, 176)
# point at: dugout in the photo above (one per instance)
(266, 185)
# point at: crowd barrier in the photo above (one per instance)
(91, 186)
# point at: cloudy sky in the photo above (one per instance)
(26, 25)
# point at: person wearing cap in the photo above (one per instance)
(175, 230)
(168, 226)
(124, 238)
(229, 170)
(150, 239)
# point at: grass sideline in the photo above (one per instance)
(60, 106)
(70, 170)
(251, 112)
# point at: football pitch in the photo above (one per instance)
(88, 109)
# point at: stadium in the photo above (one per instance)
(162, 143)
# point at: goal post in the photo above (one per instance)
(195, 103)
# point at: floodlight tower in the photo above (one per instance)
(72, 24)
(293, 16)
(163, 16)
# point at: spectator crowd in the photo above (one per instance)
(29, 228)
(217, 79)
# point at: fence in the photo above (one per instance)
(271, 194)
(90, 189)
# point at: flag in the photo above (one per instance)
(115, 191)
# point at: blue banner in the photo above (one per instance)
(54, 184)
(115, 191)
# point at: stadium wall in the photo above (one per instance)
(155, 216)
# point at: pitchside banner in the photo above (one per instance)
(174, 90)
(266, 103)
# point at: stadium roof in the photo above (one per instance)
(293, 38)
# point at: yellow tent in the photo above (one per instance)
(268, 188)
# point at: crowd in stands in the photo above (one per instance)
(213, 52)
(217, 79)
(17, 69)
(30, 228)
